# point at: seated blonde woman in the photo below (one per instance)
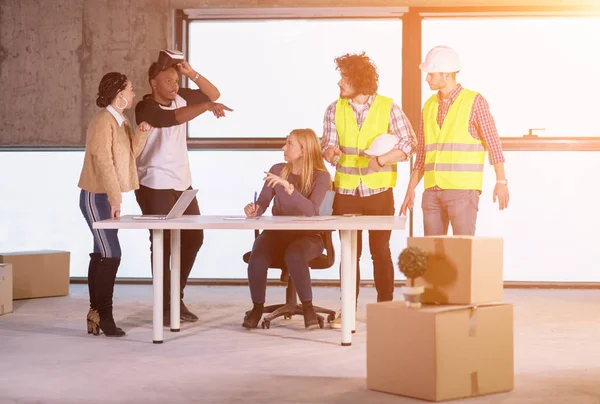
(297, 188)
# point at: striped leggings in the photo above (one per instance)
(95, 207)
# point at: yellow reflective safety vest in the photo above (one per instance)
(453, 158)
(353, 164)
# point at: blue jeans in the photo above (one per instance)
(95, 207)
(444, 207)
(296, 248)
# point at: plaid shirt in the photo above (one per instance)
(399, 126)
(481, 127)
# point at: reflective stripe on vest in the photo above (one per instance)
(453, 158)
(353, 164)
(364, 170)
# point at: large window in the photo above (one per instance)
(535, 72)
(280, 74)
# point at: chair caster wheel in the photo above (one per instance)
(321, 322)
(331, 317)
(266, 324)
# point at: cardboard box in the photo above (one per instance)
(6, 289)
(461, 269)
(439, 353)
(42, 273)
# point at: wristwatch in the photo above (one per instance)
(503, 182)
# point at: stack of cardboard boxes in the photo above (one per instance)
(460, 342)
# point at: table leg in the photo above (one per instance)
(157, 286)
(175, 279)
(348, 285)
(353, 241)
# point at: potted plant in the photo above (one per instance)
(412, 262)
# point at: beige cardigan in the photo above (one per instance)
(110, 153)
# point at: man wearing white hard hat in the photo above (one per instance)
(364, 183)
(456, 130)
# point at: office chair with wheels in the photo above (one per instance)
(324, 261)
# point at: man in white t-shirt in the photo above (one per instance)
(163, 166)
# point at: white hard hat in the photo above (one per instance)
(381, 145)
(441, 59)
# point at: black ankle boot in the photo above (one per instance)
(104, 287)
(253, 318)
(93, 319)
(310, 316)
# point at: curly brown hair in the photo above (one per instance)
(360, 71)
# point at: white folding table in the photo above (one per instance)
(347, 225)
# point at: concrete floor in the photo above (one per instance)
(47, 357)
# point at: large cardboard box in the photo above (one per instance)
(461, 269)
(439, 353)
(42, 273)
(6, 289)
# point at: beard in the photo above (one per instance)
(347, 95)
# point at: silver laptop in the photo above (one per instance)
(177, 210)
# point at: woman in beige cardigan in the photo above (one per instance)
(108, 170)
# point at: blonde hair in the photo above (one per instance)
(312, 161)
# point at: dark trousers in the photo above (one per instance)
(160, 202)
(297, 249)
(381, 204)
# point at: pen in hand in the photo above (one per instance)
(251, 209)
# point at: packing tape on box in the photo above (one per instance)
(475, 383)
(473, 321)
(473, 315)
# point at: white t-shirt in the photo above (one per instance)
(164, 162)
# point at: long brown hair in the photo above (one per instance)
(312, 161)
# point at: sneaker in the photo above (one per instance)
(337, 323)
(185, 314)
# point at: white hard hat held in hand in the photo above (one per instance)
(441, 59)
(381, 145)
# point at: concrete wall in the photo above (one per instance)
(53, 54)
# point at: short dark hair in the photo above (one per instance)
(155, 68)
(360, 71)
(111, 84)
(153, 71)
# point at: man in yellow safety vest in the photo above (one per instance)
(456, 130)
(364, 184)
